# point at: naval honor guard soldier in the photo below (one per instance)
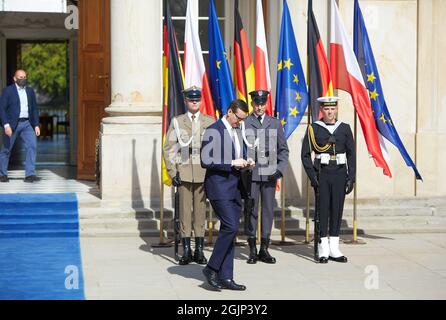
(268, 147)
(182, 156)
(333, 173)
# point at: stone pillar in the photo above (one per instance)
(131, 137)
(431, 98)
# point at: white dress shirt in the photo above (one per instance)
(234, 137)
(197, 115)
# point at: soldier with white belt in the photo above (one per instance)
(332, 173)
(182, 155)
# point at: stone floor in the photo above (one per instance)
(403, 266)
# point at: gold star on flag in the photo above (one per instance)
(298, 97)
(218, 64)
(283, 122)
(294, 112)
(288, 64)
(296, 78)
(226, 55)
(383, 118)
(371, 77)
(374, 94)
(279, 67)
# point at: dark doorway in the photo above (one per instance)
(47, 65)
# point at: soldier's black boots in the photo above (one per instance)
(264, 255)
(187, 252)
(252, 251)
(198, 254)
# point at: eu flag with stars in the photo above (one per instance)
(220, 76)
(366, 60)
(292, 94)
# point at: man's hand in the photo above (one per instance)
(276, 175)
(37, 131)
(176, 181)
(314, 183)
(239, 163)
(8, 131)
(250, 163)
(349, 186)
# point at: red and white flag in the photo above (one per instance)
(194, 68)
(263, 78)
(346, 75)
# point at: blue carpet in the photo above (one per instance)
(40, 255)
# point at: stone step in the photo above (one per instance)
(293, 225)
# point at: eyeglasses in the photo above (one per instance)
(238, 118)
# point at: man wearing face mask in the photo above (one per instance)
(19, 118)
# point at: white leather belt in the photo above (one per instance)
(340, 158)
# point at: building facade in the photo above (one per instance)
(116, 86)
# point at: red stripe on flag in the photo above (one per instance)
(343, 80)
(261, 78)
(207, 105)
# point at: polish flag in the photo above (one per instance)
(194, 68)
(346, 76)
(263, 78)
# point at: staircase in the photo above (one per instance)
(375, 216)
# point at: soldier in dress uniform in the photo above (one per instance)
(182, 156)
(268, 147)
(332, 173)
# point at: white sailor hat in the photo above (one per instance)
(328, 101)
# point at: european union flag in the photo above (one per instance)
(366, 60)
(292, 94)
(220, 76)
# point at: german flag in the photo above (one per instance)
(244, 75)
(319, 77)
(173, 81)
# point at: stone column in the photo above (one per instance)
(131, 136)
(431, 98)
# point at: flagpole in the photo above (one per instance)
(355, 191)
(211, 227)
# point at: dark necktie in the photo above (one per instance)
(260, 119)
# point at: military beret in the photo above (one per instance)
(193, 93)
(328, 101)
(259, 96)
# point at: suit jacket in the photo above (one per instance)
(222, 181)
(186, 160)
(10, 107)
(272, 151)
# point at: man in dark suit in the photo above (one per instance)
(19, 118)
(269, 149)
(222, 152)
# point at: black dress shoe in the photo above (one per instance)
(31, 179)
(342, 259)
(211, 277)
(4, 179)
(231, 285)
(323, 260)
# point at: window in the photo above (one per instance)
(178, 10)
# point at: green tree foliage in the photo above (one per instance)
(46, 66)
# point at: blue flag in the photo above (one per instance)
(220, 76)
(292, 94)
(366, 60)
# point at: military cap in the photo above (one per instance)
(328, 101)
(193, 93)
(259, 96)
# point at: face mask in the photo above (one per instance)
(22, 82)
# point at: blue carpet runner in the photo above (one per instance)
(40, 255)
